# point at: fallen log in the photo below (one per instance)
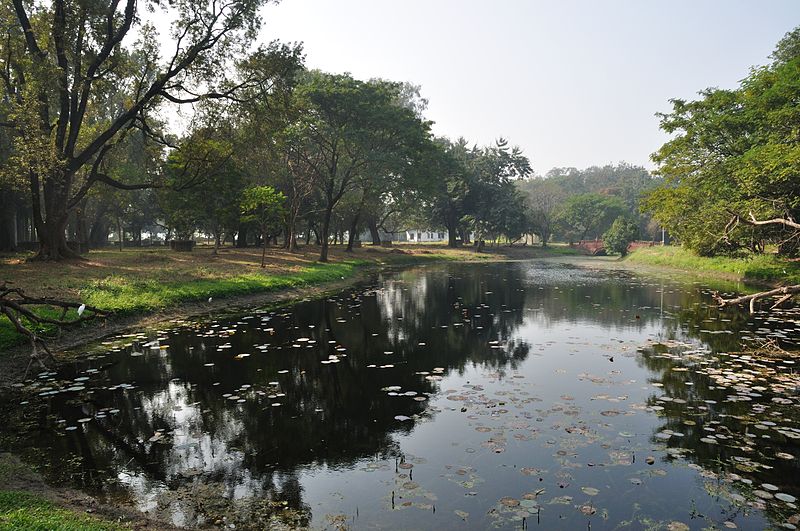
(784, 293)
(19, 309)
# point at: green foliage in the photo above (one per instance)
(621, 233)
(77, 82)
(25, 512)
(734, 158)
(546, 198)
(205, 186)
(475, 191)
(263, 206)
(121, 295)
(353, 136)
(589, 214)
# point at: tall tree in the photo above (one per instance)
(544, 198)
(349, 129)
(64, 65)
(731, 170)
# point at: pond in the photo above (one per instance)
(503, 395)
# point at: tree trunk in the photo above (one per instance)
(264, 249)
(291, 230)
(120, 234)
(53, 241)
(216, 242)
(8, 221)
(351, 237)
(287, 236)
(98, 233)
(452, 235)
(81, 228)
(326, 226)
(241, 238)
(51, 227)
(373, 231)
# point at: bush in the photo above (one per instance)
(622, 232)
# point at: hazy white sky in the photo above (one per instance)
(572, 82)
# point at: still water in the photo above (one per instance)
(505, 395)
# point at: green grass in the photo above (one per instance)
(562, 250)
(766, 268)
(121, 296)
(26, 512)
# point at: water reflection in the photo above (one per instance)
(447, 373)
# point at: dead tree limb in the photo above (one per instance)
(787, 221)
(21, 310)
(784, 293)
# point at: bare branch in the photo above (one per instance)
(19, 309)
(784, 292)
(787, 221)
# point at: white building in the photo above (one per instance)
(425, 235)
(409, 236)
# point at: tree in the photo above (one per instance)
(263, 206)
(621, 233)
(348, 129)
(74, 88)
(590, 214)
(209, 194)
(731, 169)
(263, 115)
(543, 200)
(491, 172)
(448, 186)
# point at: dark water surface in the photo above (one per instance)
(503, 395)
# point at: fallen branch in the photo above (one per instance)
(784, 293)
(19, 309)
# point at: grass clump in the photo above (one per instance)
(765, 268)
(26, 512)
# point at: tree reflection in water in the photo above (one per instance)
(225, 420)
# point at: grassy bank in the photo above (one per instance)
(146, 280)
(27, 512)
(767, 269)
(21, 509)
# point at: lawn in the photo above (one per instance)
(766, 268)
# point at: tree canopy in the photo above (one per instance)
(732, 171)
